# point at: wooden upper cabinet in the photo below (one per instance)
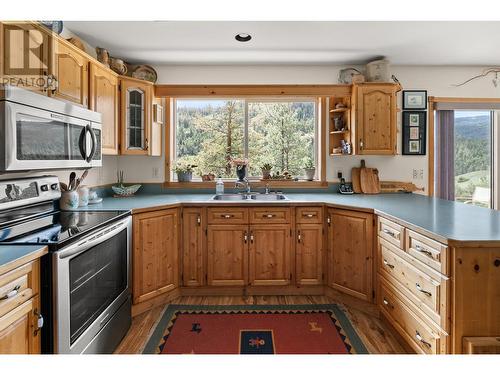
(193, 243)
(25, 54)
(270, 254)
(136, 104)
(71, 69)
(309, 254)
(104, 99)
(350, 255)
(227, 258)
(374, 115)
(156, 254)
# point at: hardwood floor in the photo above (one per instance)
(375, 335)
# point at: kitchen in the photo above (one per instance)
(145, 185)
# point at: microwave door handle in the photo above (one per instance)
(82, 143)
(94, 143)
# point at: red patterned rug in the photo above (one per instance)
(304, 329)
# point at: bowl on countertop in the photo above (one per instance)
(125, 191)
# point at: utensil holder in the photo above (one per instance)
(69, 201)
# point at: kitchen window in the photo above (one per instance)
(210, 133)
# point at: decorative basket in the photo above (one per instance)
(125, 191)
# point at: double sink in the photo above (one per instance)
(250, 197)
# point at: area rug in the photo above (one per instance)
(251, 329)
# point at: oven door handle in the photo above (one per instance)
(94, 239)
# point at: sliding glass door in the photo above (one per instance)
(464, 156)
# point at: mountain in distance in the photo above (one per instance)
(473, 127)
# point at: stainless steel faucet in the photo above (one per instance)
(245, 183)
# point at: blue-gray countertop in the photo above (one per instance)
(12, 256)
(445, 221)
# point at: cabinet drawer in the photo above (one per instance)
(313, 215)
(427, 290)
(390, 231)
(429, 252)
(18, 286)
(227, 215)
(275, 215)
(414, 329)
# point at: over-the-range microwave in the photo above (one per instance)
(38, 132)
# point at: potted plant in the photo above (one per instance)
(184, 171)
(309, 169)
(266, 171)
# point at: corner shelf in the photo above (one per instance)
(339, 114)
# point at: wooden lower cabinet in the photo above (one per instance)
(18, 329)
(309, 254)
(227, 255)
(350, 252)
(155, 254)
(270, 255)
(193, 245)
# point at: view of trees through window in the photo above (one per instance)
(472, 130)
(211, 133)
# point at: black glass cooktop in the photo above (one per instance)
(57, 228)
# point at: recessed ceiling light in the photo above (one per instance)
(243, 37)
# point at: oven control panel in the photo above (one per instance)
(20, 192)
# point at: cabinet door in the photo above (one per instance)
(376, 119)
(227, 258)
(351, 252)
(193, 243)
(155, 258)
(136, 107)
(71, 69)
(104, 99)
(309, 254)
(18, 329)
(269, 254)
(24, 54)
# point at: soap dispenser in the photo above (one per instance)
(219, 186)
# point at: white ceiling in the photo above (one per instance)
(315, 43)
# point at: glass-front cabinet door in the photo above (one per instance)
(136, 106)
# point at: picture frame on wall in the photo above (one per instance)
(414, 99)
(414, 132)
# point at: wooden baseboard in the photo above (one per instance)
(290, 290)
(154, 302)
(356, 303)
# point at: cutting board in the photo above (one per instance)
(370, 183)
(356, 178)
(397, 186)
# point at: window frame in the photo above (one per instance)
(319, 129)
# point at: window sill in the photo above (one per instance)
(256, 184)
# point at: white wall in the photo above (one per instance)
(437, 81)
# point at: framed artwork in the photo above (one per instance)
(414, 132)
(414, 99)
(158, 113)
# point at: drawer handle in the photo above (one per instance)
(245, 237)
(387, 303)
(12, 293)
(389, 232)
(269, 216)
(420, 249)
(226, 216)
(198, 220)
(309, 215)
(391, 266)
(251, 237)
(299, 237)
(421, 339)
(419, 288)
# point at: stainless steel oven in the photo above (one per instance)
(91, 281)
(38, 132)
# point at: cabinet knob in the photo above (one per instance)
(39, 322)
(269, 216)
(299, 237)
(198, 220)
